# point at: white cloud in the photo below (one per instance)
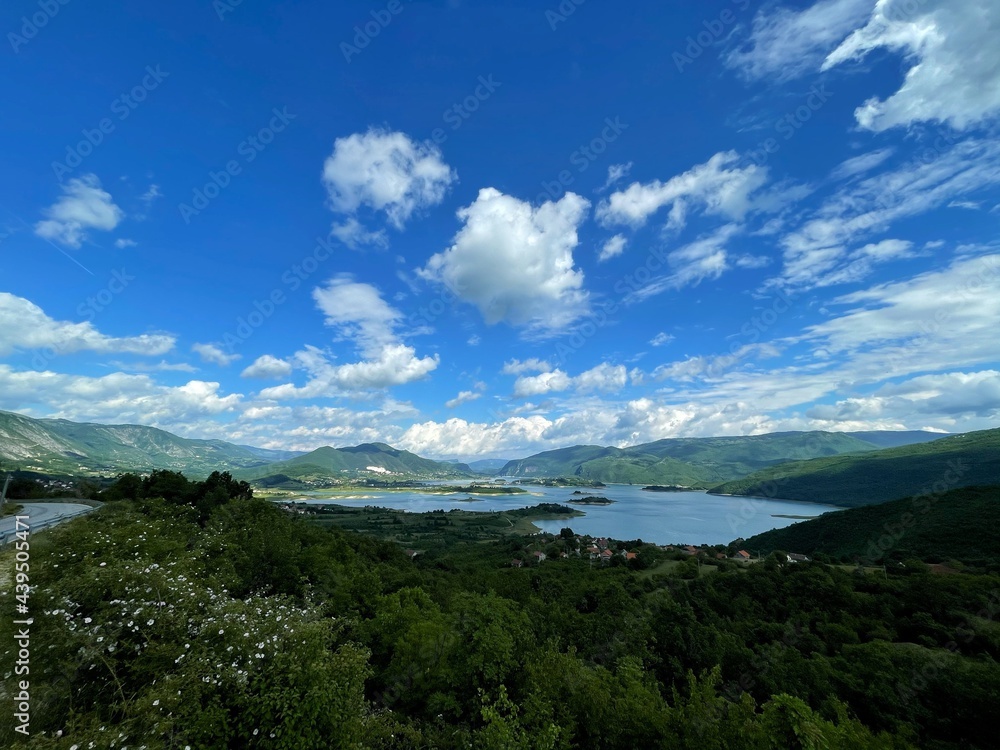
(114, 398)
(463, 397)
(123, 243)
(661, 339)
(751, 261)
(84, 205)
(613, 247)
(354, 235)
(24, 325)
(712, 367)
(786, 43)
(616, 173)
(161, 366)
(267, 367)
(820, 246)
(604, 377)
(862, 163)
(720, 187)
(214, 354)
(515, 262)
(705, 258)
(359, 314)
(954, 58)
(385, 171)
(517, 367)
(546, 382)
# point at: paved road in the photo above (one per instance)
(41, 516)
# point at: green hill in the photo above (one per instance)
(693, 462)
(876, 477)
(62, 447)
(957, 525)
(368, 459)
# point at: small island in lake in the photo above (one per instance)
(590, 500)
(666, 488)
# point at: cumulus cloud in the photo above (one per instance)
(359, 314)
(214, 354)
(604, 377)
(84, 205)
(785, 43)
(386, 172)
(514, 261)
(954, 74)
(661, 339)
(24, 325)
(117, 397)
(267, 367)
(546, 382)
(719, 187)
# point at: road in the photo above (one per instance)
(41, 516)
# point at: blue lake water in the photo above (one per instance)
(658, 517)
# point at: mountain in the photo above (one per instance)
(368, 459)
(956, 525)
(693, 462)
(896, 438)
(64, 447)
(879, 476)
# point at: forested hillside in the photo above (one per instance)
(692, 462)
(959, 525)
(205, 621)
(971, 459)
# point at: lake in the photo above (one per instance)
(658, 517)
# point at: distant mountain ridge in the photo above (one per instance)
(698, 462)
(61, 446)
(58, 446)
(970, 459)
(369, 459)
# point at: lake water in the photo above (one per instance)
(658, 517)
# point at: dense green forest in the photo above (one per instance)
(189, 614)
(959, 525)
(971, 459)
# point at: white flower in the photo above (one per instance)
(156, 702)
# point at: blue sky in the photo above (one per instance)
(478, 230)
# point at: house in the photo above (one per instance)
(690, 550)
(411, 553)
(742, 556)
(796, 558)
(593, 551)
(516, 564)
(606, 555)
(539, 556)
(602, 543)
(720, 555)
(630, 555)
